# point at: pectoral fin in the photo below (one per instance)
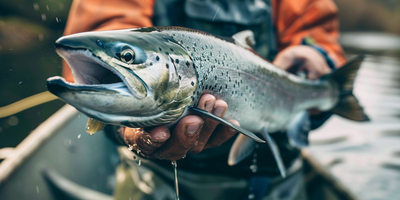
(226, 123)
(241, 149)
(245, 39)
(275, 151)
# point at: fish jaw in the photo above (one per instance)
(142, 93)
(89, 65)
(105, 98)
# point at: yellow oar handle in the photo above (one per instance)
(26, 103)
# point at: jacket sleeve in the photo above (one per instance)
(300, 19)
(96, 15)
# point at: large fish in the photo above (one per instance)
(150, 76)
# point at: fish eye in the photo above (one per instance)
(128, 56)
(100, 43)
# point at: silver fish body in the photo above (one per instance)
(171, 69)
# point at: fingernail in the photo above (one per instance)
(209, 106)
(192, 128)
(219, 110)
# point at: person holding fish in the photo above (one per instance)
(298, 36)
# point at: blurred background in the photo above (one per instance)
(28, 30)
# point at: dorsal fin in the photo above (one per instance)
(245, 39)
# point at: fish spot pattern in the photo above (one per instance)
(246, 82)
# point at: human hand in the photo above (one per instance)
(302, 58)
(191, 134)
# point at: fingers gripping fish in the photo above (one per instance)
(150, 76)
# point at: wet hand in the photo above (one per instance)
(192, 134)
(302, 58)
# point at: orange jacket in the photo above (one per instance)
(294, 21)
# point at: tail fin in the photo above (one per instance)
(348, 106)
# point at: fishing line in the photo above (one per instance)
(26, 103)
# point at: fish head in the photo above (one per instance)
(135, 78)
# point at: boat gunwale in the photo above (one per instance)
(35, 140)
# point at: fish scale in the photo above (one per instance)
(257, 96)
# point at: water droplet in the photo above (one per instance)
(20, 83)
(130, 147)
(139, 162)
(57, 20)
(79, 136)
(44, 18)
(253, 168)
(37, 189)
(47, 7)
(251, 196)
(36, 6)
(13, 121)
(148, 141)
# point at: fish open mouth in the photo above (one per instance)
(90, 72)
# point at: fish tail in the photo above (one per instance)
(348, 105)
